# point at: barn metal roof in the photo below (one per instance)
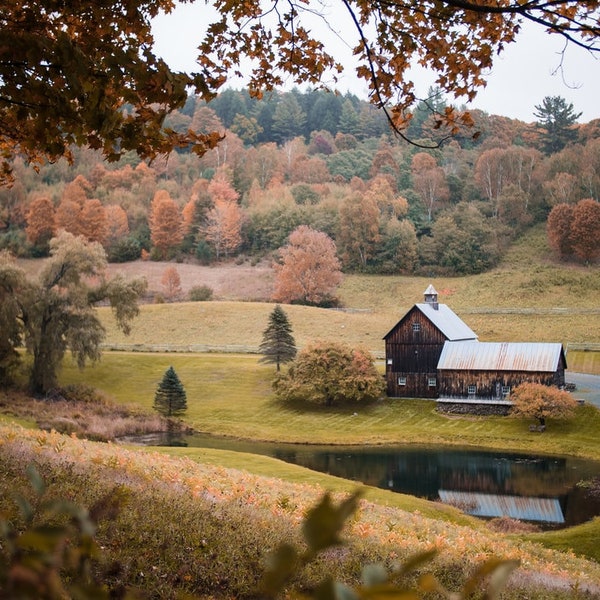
(495, 505)
(447, 321)
(500, 356)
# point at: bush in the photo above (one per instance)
(124, 250)
(331, 374)
(200, 293)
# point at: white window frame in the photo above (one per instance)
(431, 381)
(401, 380)
(505, 391)
(416, 327)
(472, 389)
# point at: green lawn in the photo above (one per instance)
(230, 394)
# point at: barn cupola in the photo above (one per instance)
(431, 297)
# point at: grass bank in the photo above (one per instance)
(208, 528)
(230, 395)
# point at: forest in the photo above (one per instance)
(441, 205)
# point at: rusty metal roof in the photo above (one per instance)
(496, 505)
(500, 356)
(447, 321)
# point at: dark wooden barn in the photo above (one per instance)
(482, 373)
(414, 345)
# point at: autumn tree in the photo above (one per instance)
(171, 282)
(117, 224)
(278, 345)
(93, 221)
(331, 374)
(429, 181)
(41, 225)
(309, 270)
(359, 230)
(585, 230)
(170, 398)
(541, 402)
(88, 77)
(55, 313)
(224, 220)
(575, 229)
(556, 119)
(558, 228)
(166, 231)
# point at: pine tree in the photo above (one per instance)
(557, 119)
(278, 344)
(170, 398)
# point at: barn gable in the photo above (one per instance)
(413, 347)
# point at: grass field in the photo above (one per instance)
(529, 297)
(230, 395)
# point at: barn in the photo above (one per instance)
(414, 345)
(432, 353)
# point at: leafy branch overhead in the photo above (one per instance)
(86, 73)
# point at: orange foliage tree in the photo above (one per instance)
(165, 221)
(309, 271)
(359, 230)
(575, 229)
(541, 402)
(93, 221)
(117, 224)
(171, 282)
(585, 229)
(223, 228)
(41, 225)
(559, 229)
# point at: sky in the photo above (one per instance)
(522, 76)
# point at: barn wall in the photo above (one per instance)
(413, 355)
(455, 384)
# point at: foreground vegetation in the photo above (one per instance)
(209, 528)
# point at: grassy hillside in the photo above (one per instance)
(208, 529)
(528, 298)
(231, 395)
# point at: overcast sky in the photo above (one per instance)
(522, 76)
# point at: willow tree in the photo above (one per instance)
(56, 312)
(86, 72)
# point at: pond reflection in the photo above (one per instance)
(534, 488)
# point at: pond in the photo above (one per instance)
(542, 489)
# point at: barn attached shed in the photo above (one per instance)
(480, 373)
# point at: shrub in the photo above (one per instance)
(200, 293)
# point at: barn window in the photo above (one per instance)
(431, 381)
(401, 380)
(389, 361)
(472, 390)
(505, 391)
(416, 326)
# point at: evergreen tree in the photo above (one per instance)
(170, 398)
(278, 344)
(557, 120)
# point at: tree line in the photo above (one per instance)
(388, 207)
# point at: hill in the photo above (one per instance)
(529, 297)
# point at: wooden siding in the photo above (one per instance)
(413, 355)
(489, 384)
